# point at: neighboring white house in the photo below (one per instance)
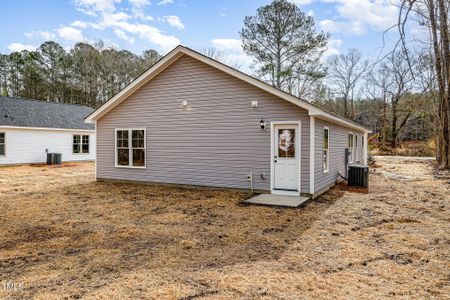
(31, 128)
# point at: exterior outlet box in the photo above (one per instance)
(249, 177)
(254, 103)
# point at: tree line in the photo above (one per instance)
(85, 74)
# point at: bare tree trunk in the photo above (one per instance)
(394, 132)
(446, 84)
(442, 141)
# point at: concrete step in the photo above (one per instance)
(277, 200)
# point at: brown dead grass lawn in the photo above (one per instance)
(63, 235)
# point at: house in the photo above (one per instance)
(31, 128)
(190, 120)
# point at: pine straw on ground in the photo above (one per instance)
(63, 235)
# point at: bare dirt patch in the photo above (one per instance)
(63, 235)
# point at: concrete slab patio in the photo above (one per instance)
(277, 200)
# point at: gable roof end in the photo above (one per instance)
(179, 51)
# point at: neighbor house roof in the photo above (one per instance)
(179, 51)
(18, 112)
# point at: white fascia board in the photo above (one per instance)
(46, 128)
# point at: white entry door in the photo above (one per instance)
(286, 158)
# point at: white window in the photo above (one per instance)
(80, 144)
(2, 144)
(326, 149)
(350, 147)
(356, 148)
(130, 148)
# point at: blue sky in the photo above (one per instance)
(162, 24)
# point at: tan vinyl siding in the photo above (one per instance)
(215, 142)
(338, 139)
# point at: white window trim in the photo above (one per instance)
(4, 155)
(351, 160)
(326, 170)
(130, 149)
(355, 147)
(81, 144)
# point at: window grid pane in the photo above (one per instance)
(76, 143)
(123, 154)
(2, 149)
(138, 146)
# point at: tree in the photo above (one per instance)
(345, 71)
(402, 78)
(51, 55)
(433, 15)
(284, 43)
(378, 84)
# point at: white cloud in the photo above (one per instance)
(138, 7)
(93, 7)
(109, 19)
(164, 2)
(150, 33)
(140, 3)
(122, 35)
(70, 34)
(17, 47)
(174, 21)
(121, 20)
(333, 48)
(347, 28)
(79, 24)
(359, 16)
(46, 35)
(301, 2)
(310, 13)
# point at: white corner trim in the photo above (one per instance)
(365, 153)
(95, 167)
(312, 147)
(179, 51)
(272, 154)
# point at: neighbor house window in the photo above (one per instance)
(356, 148)
(130, 148)
(2, 144)
(80, 143)
(350, 147)
(326, 149)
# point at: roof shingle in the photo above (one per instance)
(36, 113)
